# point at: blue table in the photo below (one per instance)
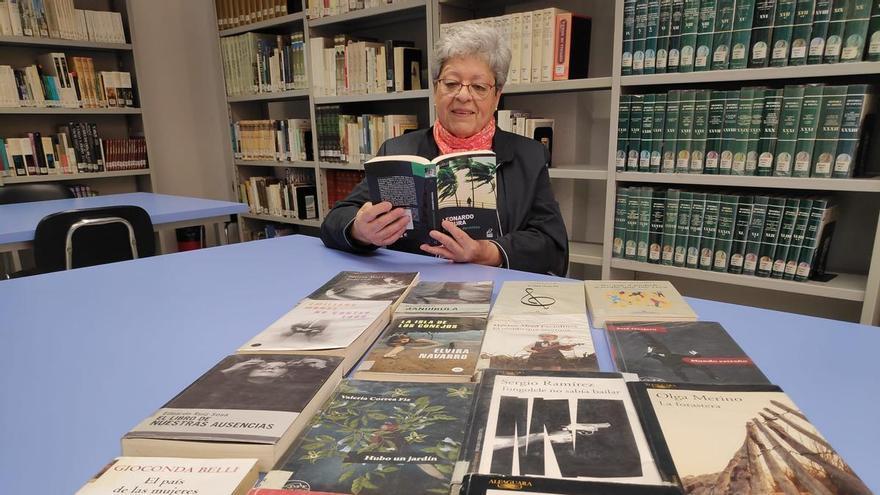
(90, 352)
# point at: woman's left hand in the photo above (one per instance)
(459, 247)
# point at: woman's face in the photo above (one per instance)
(271, 369)
(464, 113)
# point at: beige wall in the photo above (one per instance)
(181, 90)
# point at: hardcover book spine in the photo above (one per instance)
(800, 32)
(723, 34)
(657, 132)
(675, 24)
(670, 226)
(755, 234)
(665, 22)
(783, 243)
(700, 131)
(683, 228)
(828, 130)
(641, 27)
(806, 139)
(743, 128)
(651, 31)
(873, 37)
(856, 31)
(710, 231)
(706, 33)
(622, 132)
(714, 132)
(762, 26)
(743, 14)
(855, 108)
(821, 18)
(783, 25)
(647, 133)
(619, 223)
(635, 132)
(698, 210)
(812, 237)
(658, 220)
(689, 28)
(670, 131)
(740, 234)
(767, 251)
(629, 24)
(755, 128)
(729, 132)
(633, 200)
(769, 131)
(724, 232)
(792, 99)
(797, 238)
(836, 28)
(685, 131)
(645, 202)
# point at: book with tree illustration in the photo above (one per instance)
(380, 438)
(459, 187)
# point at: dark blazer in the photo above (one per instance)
(535, 239)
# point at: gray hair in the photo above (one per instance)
(470, 39)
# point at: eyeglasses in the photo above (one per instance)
(451, 87)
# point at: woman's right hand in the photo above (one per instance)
(380, 224)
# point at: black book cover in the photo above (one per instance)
(365, 286)
(408, 185)
(487, 484)
(579, 49)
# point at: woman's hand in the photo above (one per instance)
(380, 224)
(459, 247)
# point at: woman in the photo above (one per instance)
(470, 69)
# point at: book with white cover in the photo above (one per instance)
(167, 475)
(540, 298)
(635, 300)
(524, 342)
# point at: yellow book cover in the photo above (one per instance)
(635, 300)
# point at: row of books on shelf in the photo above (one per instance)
(686, 416)
(545, 45)
(522, 123)
(323, 8)
(59, 19)
(292, 196)
(346, 65)
(234, 13)
(340, 183)
(263, 63)
(799, 131)
(356, 138)
(82, 191)
(783, 237)
(279, 140)
(52, 83)
(697, 35)
(75, 149)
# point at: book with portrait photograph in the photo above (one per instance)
(635, 300)
(425, 349)
(324, 328)
(173, 475)
(542, 297)
(459, 187)
(734, 439)
(367, 286)
(548, 343)
(684, 352)
(245, 406)
(441, 298)
(380, 438)
(560, 428)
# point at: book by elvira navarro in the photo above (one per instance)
(459, 187)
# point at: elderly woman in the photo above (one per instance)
(470, 67)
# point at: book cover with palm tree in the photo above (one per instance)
(466, 193)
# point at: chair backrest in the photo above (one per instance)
(25, 193)
(92, 236)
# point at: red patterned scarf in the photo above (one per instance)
(448, 143)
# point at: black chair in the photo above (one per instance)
(92, 236)
(25, 193)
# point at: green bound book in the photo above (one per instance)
(828, 130)
(698, 210)
(663, 36)
(710, 231)
(651, 31)
(821, 19)
(806, 139)
(675, 23)
(855, 109)
(629, 26)
(699, 133)
(873, 41)
(740, 234)
(762, 28)
(636, 106)
(723, 34)
(631, 241)
(714, 132)
(657, 132)
(769, 237)
(645, 203)
(769, 131)
(619, 223)
(836, 29)
(800, 32)
(797, 238)
(622, 132)
(756, 127)
(743, 128)
(783, 24)
(670, 226)
(823, 216)
(639, 32)
(670, 132)
(724, 232)
(682, 228)
(689, 29)
(647, 138)
(705, 35)
(792, 99)
(783, 241)
(658, 220)
(755, 234)
(729, 132)
(741, 37)
(856, 31)
(685, 130)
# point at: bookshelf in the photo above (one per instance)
(122, 122)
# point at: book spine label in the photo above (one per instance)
(647, 133)
(653, 26)
(873, 36)
(705, 35)
(641, 26)
(792, 99)
(769, 131)
(682, 229)
(685, 131)
(729, 132)
(783, 242)
(755, 128)
(665, 22)
(698, 210)
(629, 24)
(828, 130)
(762, 26)
(635, 132)
(797, 238)
(836, 29)
(755, 234)
(645, 202)
(710, 231)
(723, 35)
(800, 32)
(670, 227)
(689, 28)
(806, 139)
(740, 234)
(622, 132)
(633, 199)
(670, 131)
(821, 18)
(619, 223)
(856, 31)
(657, 132)
(783, 24)
(854, 111)
(700, 131)
(724, 232)
(658, 222)
(743, 127)
(767, 251)
(714, 132)
(743, 14)
(675, 24)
